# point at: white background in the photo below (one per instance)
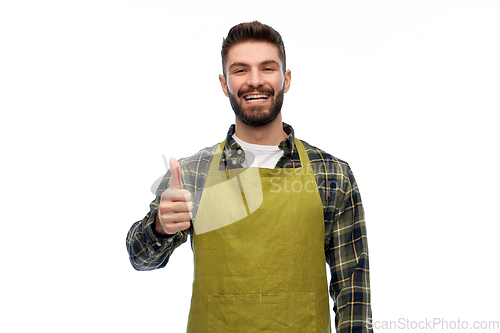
(93, 93)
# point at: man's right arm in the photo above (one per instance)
(146, 250)
(150, 242)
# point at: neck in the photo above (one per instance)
(269, 135)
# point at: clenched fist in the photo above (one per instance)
(174, 213)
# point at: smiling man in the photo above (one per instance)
(256, 75)
(264, 212)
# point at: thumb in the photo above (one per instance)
(175, 171)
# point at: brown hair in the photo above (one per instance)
(252, 31)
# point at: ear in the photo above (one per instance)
(288, 79)
(223, 84)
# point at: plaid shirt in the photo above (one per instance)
(346, 247)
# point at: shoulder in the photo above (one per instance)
(321, 161)
(333, 176)
(199, 162)
(202, 157)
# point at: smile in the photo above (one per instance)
(256, 98)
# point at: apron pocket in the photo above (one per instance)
(290, 313)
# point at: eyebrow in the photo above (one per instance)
(270, 62)
(238, 64)
(242, 64)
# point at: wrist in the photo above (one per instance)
(158, 229)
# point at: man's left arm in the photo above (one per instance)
(346, 251)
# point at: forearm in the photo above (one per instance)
(352, 303)
(146, 250)
(348, 257)
(148, 245)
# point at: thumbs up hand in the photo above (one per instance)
(174, 213)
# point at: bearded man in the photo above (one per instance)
(264, 211)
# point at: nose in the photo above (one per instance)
(255, 78)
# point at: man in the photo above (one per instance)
(264, 211)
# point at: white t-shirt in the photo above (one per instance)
(259, 156)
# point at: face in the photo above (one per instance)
(255, 82)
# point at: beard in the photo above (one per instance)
(257, 115)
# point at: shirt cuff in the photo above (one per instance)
(158, 240)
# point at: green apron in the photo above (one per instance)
(258, 244)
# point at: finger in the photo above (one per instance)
(175, 171)
(168, 218)
(175, 227)
(176, 207)
(171, 194)
(182, 206)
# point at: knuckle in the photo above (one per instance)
(165, 193)
(168, 229)
(165, 206)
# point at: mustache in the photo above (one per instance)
(269, 91)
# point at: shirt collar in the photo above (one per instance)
(234, 155)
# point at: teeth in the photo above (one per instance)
(250, 97)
